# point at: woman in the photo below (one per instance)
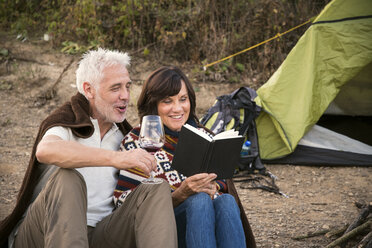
(206, 215)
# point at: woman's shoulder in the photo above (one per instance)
(132, 135)
(135, 129)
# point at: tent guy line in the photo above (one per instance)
(278, 35)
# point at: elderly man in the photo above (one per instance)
(66, 196)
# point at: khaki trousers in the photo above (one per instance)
(57, 218)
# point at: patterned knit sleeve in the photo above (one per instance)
(221, 186)
(130, 178)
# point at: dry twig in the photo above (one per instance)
(311, 234)
(351, 234)
(51, 92)
(366, 241)
(360, 219)
(336, 232)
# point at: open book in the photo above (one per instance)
(197, 152)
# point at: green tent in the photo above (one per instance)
(327, 73)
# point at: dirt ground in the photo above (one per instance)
(35, 79)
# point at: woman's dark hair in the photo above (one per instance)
(164, 82)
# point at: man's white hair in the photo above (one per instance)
(93, 63)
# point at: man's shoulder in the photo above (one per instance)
(73, 114)
(64, 133)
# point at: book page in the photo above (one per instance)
(227, 135)
(198, 132)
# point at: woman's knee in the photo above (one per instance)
(199, 201)
(226, 201)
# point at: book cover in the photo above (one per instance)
(196, 152)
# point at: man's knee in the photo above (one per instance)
(164, 186)
(158, 190)
(68, 178)
(61, 203)
(66, 183)
(71, 175)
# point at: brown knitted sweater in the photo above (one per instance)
(74, 114)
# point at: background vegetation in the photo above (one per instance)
(197, 31)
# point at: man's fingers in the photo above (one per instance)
(144, 168)
(148, 161)
(137, 158)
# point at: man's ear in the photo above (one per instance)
(89, 90)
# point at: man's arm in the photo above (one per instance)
(70, 154)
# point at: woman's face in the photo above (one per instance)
(174, 110)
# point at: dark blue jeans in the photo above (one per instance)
(203, 222)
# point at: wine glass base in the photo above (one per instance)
(152, 181)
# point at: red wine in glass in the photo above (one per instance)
(152, 139)
(151, 146)
(152, 149)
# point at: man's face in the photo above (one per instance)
(111, 97)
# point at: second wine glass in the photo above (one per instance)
(152, 139)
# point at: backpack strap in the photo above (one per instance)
(242, 98)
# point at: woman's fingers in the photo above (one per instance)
(202, 182)
(203, 178)
(210, 189)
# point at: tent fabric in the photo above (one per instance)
(333, 141)
(335, 149)
(333, 51)
(304, 155)
(355, 97)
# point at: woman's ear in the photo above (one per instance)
(89, 90)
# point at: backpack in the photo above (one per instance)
(238, 111)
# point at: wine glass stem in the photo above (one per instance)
(152, 174)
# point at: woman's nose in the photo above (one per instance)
(177, 106)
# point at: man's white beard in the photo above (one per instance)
(107, 112)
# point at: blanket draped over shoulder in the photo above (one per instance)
(74, 114)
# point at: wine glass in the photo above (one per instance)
(151, 139)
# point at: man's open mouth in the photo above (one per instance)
(122, 108)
